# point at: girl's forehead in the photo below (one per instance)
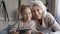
(27, 10)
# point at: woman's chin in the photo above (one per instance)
(38, 17)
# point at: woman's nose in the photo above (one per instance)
(36, 12)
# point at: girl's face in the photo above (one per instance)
(36, 12)
(27, 14)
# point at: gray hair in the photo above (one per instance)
(40, 4)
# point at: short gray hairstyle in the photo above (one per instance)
(40, 4)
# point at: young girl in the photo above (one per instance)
(25, 24)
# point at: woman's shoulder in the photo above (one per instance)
(49, 15)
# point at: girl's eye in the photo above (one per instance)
(29, 12)
(34, 11)
(25, 15)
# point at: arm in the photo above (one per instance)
(34, 30)
(53, 23)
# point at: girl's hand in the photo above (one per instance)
(51, 33)
(28, 32)
(41, 33)
(14, 32)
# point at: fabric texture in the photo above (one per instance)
(21, 26)
(49, 21)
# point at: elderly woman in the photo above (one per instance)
(43, 18)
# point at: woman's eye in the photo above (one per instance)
(37, 9)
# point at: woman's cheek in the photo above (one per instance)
(33, 14)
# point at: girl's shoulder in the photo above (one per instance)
(32, 22)
(20, 20)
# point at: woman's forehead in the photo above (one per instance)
(35, 7)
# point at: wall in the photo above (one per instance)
(57, 10)
(11, 6)
(26, 2)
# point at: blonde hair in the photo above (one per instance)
(23, 7)
(40, 4)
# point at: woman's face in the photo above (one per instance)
(36, 12)
(27, 14)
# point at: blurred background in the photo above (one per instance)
(53, 6)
